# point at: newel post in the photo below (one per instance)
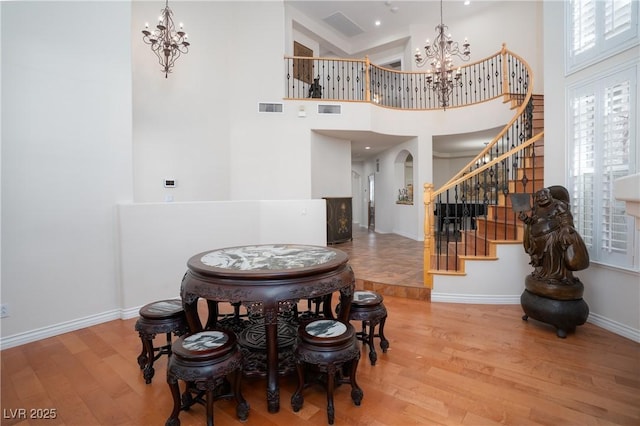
(505, 72)
(428, 233)
(367, 79)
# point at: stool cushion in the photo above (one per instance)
(366, 297)
(325, 335)
(325, 328)
(162, 309)
(204, 345)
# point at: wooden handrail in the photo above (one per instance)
(521, 109)
(490, 164)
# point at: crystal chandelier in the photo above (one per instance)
(440, 55)
(167, 43)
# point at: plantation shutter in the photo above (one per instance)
(598, 29)
(584, 25)
(583, 168)
(617, 18)
(602, 151)
(616, 155)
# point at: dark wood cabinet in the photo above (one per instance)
(339, 220)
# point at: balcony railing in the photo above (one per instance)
(479, 193)
(358, 80)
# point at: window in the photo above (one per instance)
(598, 29)
(602, 149)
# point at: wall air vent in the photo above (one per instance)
(269, 107)
(329, 109)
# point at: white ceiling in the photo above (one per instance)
(395, 19)
(353, 23)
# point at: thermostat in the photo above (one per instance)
(169, 183)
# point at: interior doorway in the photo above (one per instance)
(372, 206)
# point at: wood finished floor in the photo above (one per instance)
(448, 364)
(387, 263)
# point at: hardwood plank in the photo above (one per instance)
(448, 364)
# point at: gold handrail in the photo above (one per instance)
(521, 109)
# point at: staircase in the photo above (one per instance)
(499, 224)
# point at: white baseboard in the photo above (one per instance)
(480, 299)
(129, 313)
(614, 327)
(61, 328)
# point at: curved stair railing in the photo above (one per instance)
(473, 208)
(483, 215)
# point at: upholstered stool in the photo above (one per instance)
(211, 364)
(330, 347)
(164, 316)
(367, 307)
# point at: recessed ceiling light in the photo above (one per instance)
(378, 23)
(367, 147)
(467, 2)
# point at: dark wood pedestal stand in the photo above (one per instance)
(565, 314)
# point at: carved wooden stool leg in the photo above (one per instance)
(384, 343)
(373, 356)
(297, 399)
(143, 358)
(148, 370)
(356, 391)
(242, 408)
(173, 419)
(331, 384)
(209, 402)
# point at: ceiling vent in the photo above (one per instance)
(329, 109)
(343, 24)
(269, 107)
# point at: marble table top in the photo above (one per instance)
(268, 257)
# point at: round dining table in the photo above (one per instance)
(267, 275)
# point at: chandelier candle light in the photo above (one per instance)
(440, 57)
(167, 43)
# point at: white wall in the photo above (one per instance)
(181, 123)
(157, 239)
(487, 27)
(489, 284)
(444, 168)
(66, 158)
(330, 167)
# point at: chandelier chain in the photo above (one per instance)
(441, 76)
